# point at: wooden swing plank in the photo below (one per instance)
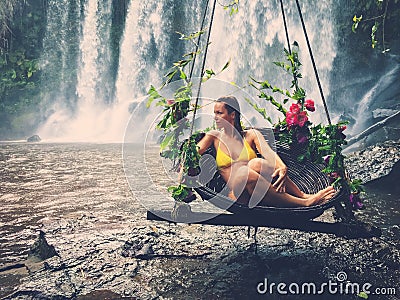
(338, 228)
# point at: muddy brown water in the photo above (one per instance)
(79, 195)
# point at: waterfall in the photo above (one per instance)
(151, 44)
(81, 115)
(363, 113)
(255, 37)
(59, 61)
(252, 39)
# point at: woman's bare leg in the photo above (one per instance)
(265, 194)
(261, 166)
(293, 189)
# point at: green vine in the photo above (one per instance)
(378, 23)
(183, 154)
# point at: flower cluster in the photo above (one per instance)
(298, 117)
(355, 200)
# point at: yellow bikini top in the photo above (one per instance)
(224, 160)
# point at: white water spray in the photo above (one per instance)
(252, 39)
(255, 37)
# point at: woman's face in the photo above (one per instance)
(222, 118)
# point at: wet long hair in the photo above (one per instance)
(232, 105)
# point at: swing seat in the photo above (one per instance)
(306, 175)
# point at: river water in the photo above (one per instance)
(43, 185)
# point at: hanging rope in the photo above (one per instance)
(198, 41)
(287, 35)
(286, 29)
(201, 73)
(313, 63)
(202, 68)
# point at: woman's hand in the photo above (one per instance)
(280, 183)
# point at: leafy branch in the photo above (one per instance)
(184, 155)
(233, 6)
(378, 21)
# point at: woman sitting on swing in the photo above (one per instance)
(252, 180)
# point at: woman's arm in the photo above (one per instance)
(207, 141)
(273, 159)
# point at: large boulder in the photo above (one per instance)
(34, 139)
(41, 248)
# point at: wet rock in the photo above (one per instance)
(34, 295)
(395, 229)
(131, 248)
(34, 139)
(373, 162)
(383, 112)
(146, 252)
(54, 264)
(41, 248)
(138, 250)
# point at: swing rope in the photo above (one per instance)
(287, 33)
(313, 62)
(310, 52)
(198, 41)
(202, 69)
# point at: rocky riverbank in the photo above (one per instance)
(109, 253)
(373, 162)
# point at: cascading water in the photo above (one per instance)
(59, 60)
(251, 39)
(84, 116)
(364, 111)
(255, 37)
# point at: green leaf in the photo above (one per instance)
(210, 72)
(226, 65)
(167, 139)
(260, 110)
(183, 75)
(153, 95)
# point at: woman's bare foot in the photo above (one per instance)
(321, 197)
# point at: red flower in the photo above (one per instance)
(170, 102)
(295, 108)
(309, 104)
(342, 128)
(291, 119)
(302, 118)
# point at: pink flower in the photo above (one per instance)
(291, 119)
(355, 201)
(170, 102)
(301, 139)
(333, 176)
(295, 108)
(309, 104)
(302, 118)
(326, 159)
